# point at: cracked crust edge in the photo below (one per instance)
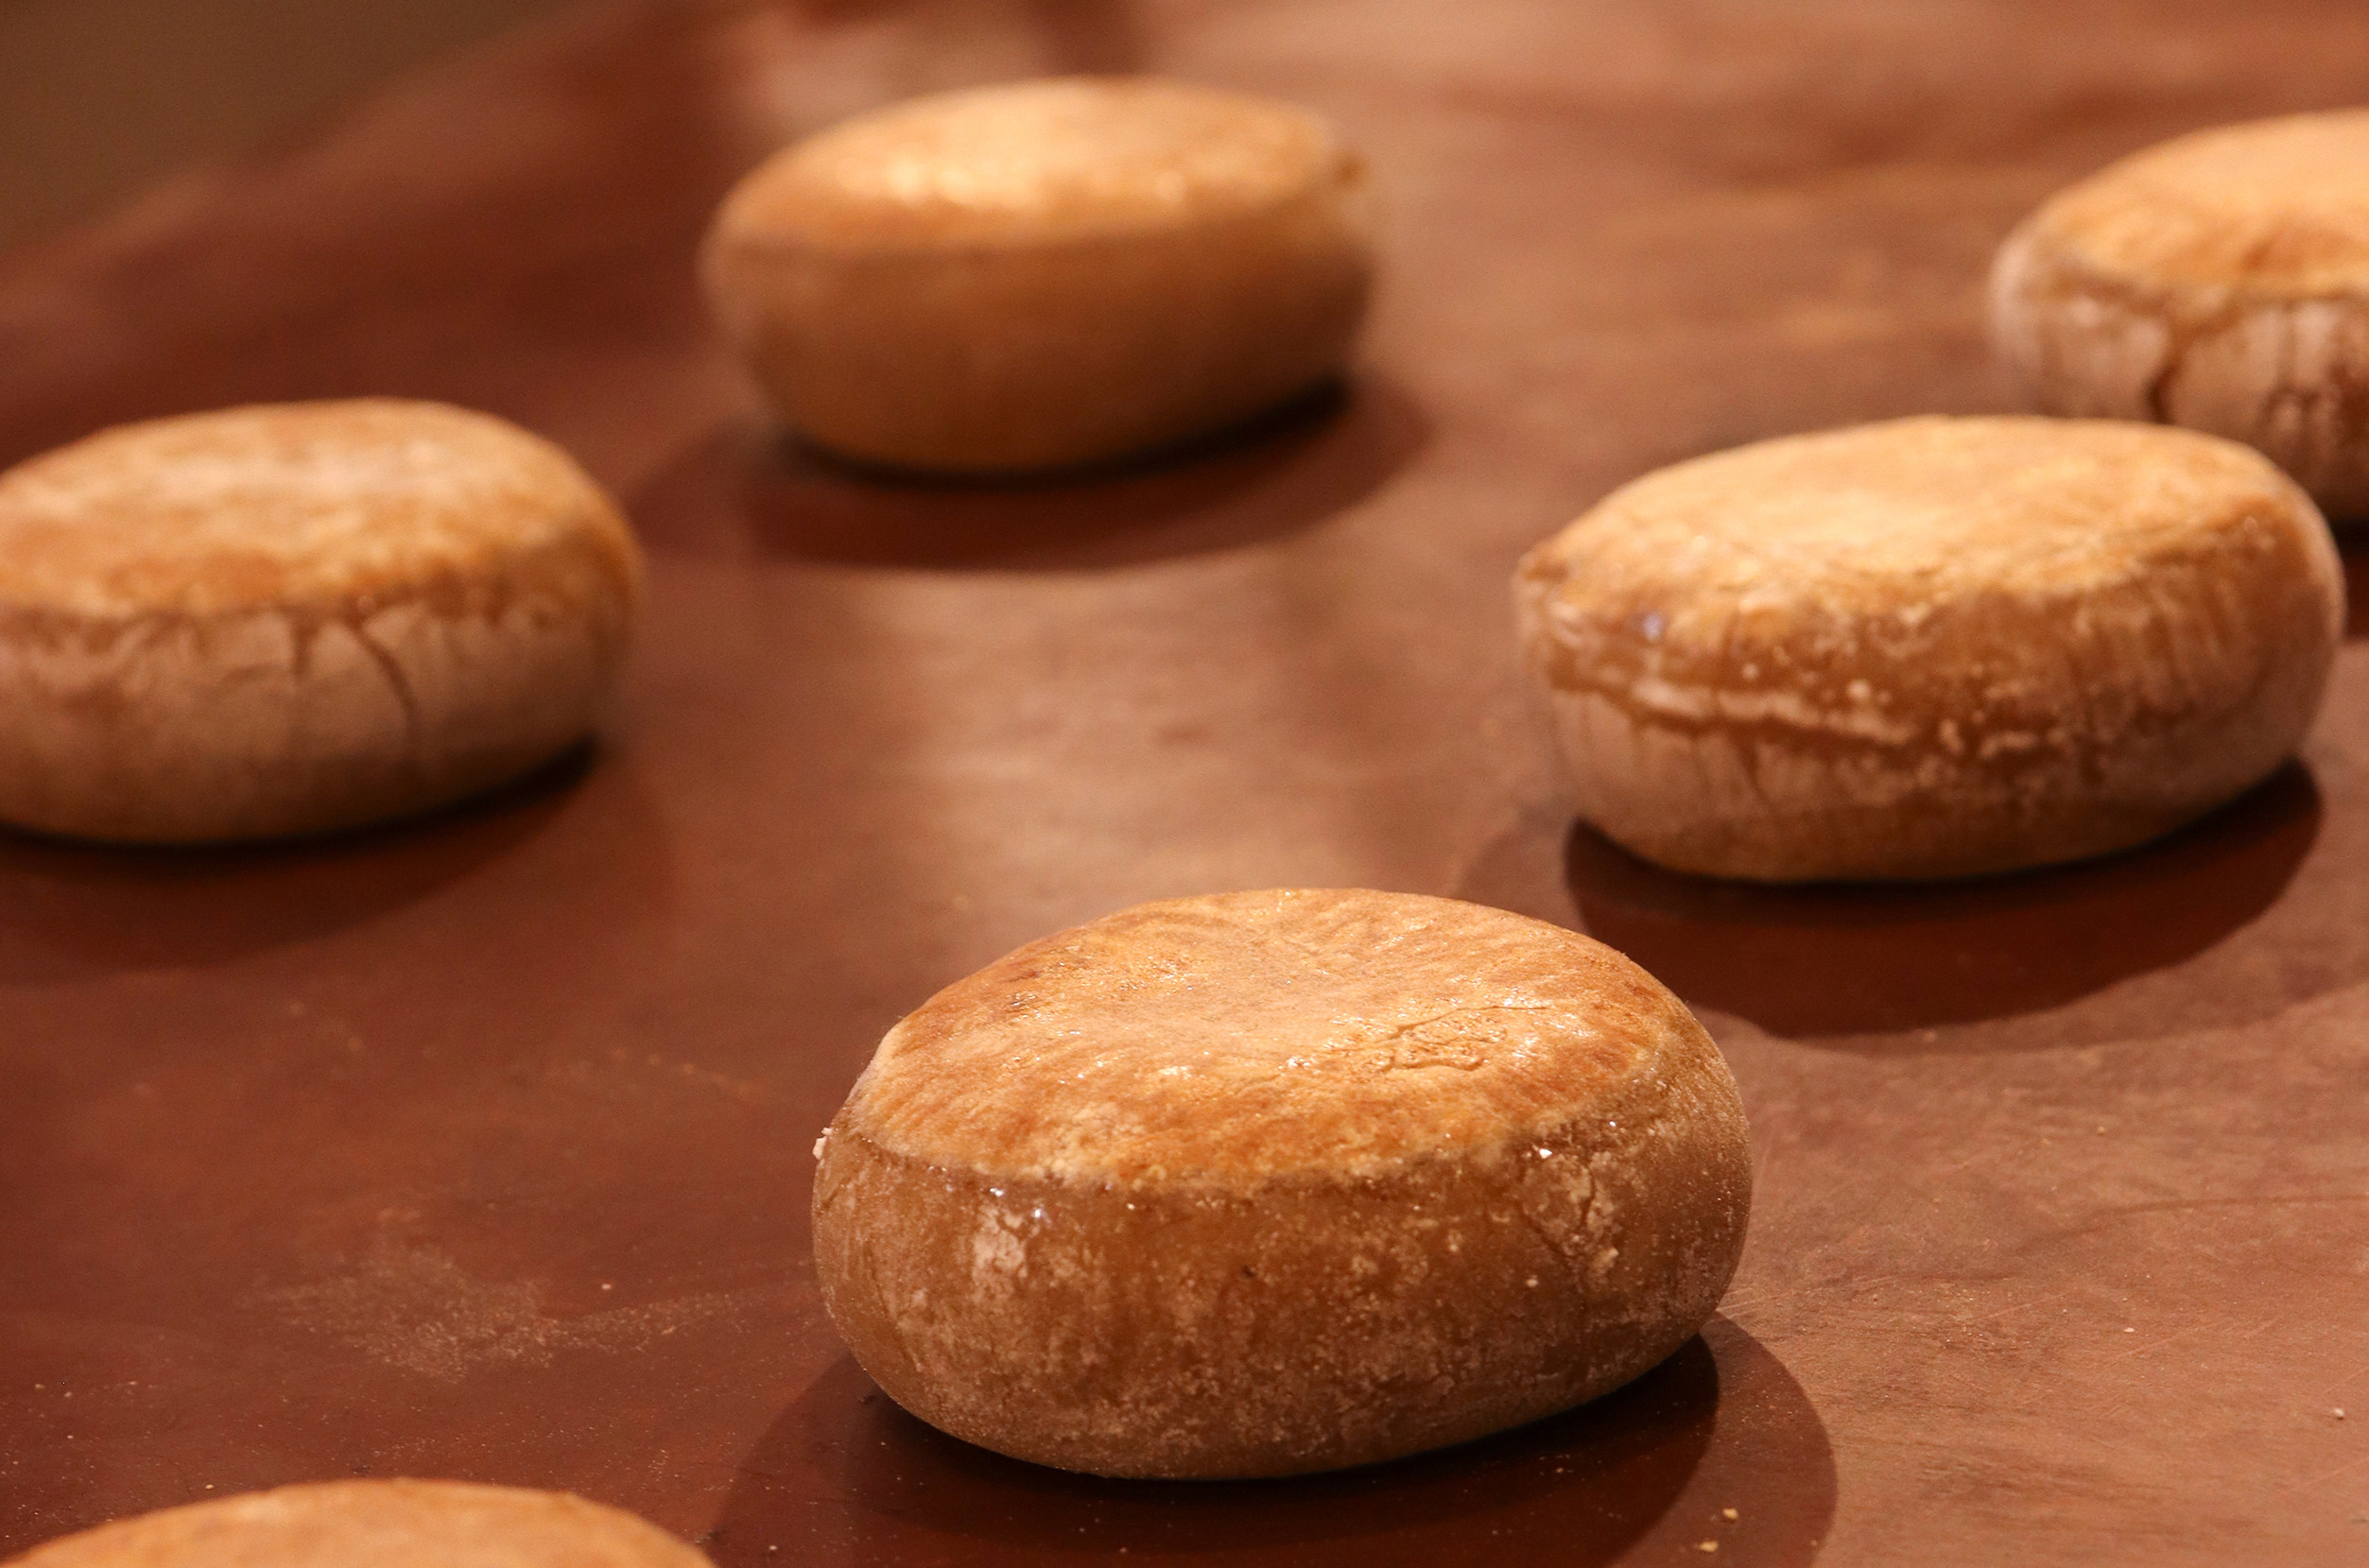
(2087, 341)
(171, 727)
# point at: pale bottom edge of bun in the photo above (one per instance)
(1850, 846)
(1190, 1476)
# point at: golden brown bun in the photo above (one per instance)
(284, 619)
(1933, 647)
(375, 1524)
(1043, 274)
(2220, 282)
(1260, 1183)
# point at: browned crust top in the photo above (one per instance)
(2276, 208)
(392, 1524)
(1239, 1037)
(1904, 519)
(1035, 163)
(288, 506)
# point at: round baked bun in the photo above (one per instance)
(1043, 274)
(2219, 282)
(1261, 1183)
(284, 619)
(1934, 647)
(375, 1524)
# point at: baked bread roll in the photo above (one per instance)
(1043, 274)
(284, 619)
(2219, 282)
(1933, 647)
(375, 1524)
(1261, 1183)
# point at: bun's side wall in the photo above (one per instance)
(181, 729)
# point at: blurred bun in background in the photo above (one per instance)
(1045, 274)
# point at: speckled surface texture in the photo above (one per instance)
(482, 1148)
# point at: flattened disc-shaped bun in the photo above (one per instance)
(1932, 647)
(290, 618)
(2220, 282)
(1046, 273)
(1260, 1183)
(375, 1524)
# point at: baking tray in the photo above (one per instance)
(479, 1145)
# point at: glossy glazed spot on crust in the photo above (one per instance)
(1039, 162)
(1239, 1037)
(285, 505)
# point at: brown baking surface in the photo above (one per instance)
(479, 1146)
